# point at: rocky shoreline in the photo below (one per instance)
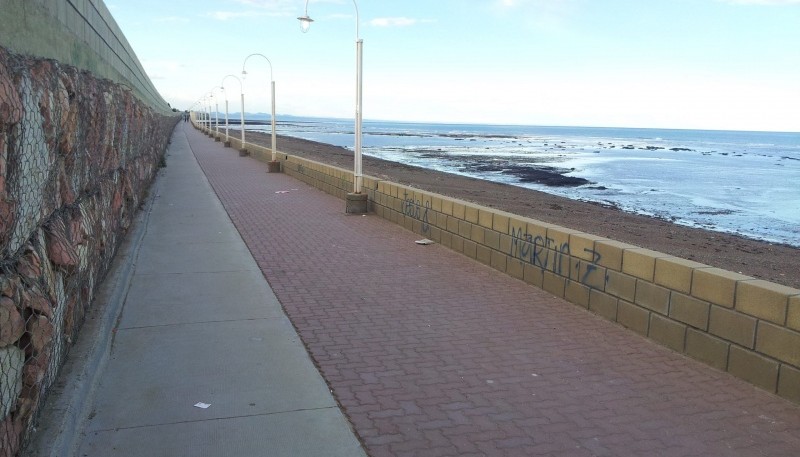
(772, 262)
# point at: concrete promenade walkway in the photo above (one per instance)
(426, 352)
(430, 353)
(199, 324)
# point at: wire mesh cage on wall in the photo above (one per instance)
(76, 156)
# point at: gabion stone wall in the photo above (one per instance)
(77, 155)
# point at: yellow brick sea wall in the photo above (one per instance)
(742, 325)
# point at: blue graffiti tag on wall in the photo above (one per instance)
(545, 253)
(590, 267)
(418, 210)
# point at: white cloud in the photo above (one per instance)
(227, 15)
(173, 19)
(162, 66)
(271, 8)
(280, 7)
(761, 2)
(510, 3)
(276, 6)
(549, 14)
(394, 22)
(340, 16)
(538, 4)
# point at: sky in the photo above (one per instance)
(684, 64)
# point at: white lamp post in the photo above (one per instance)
(225, 94)
(241, 118)
(305, 23)
(201, 112)
(208, 114)
(216, 113)
(272, 165)
(191, 112)
(196, 113)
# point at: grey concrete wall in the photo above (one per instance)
(80, 33)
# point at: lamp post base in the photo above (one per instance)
(227, 144)
(356, 203)
(274, 166)
(217, 139)
(243, 153)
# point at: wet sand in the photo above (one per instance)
(763, 260)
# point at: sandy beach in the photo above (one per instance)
(763, 260)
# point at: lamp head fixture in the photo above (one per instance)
(305, 23)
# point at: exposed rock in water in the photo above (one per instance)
(547, 176)
(550, 178)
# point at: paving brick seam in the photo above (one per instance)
(366, 300)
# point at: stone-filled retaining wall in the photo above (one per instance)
(745, 326)
(77, 155)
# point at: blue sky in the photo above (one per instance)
(705, 64)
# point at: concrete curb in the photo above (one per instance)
(70, 402)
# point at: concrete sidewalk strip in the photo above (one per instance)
(160, 299)
(200, 324)
(301, 433)
(242, 368)
(197, 257)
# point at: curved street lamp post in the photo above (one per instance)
(225, 94)
(208, 114)
(201, 112)
(197, 113)
(216, 112)
(274, 165)
(356, 202)
(241, 116)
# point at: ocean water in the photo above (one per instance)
(746, 183)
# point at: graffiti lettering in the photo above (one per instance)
(546, 254)
(540, 251)
(591, 267)
(417, 210)
(595, 255)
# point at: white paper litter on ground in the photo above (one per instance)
(424, 241)
(202, 405)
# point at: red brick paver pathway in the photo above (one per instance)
(433, 354)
